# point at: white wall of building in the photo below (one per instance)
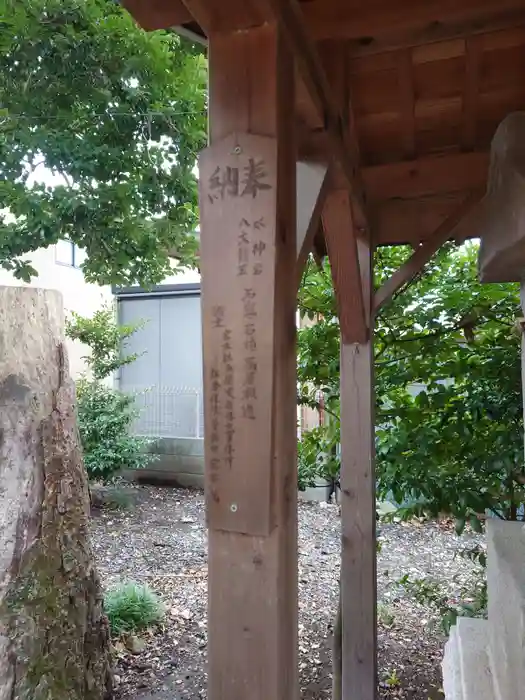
(58, 268)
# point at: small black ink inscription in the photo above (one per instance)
(217, 313)
(258, 248)
(243, 253)
(254, 176)
(215, 462)
(249, 393)
(223, 182)
(229, 400)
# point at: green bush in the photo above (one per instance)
(132, 607)
(307, 468)
(315, 457)
(105, 339)
(105, 416)
(472, 599)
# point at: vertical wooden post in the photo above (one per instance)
(358, 508)
(248, 254)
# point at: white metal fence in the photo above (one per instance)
(168, 411)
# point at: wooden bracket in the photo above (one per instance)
(341, 243)
(312, 189)
(238, 252)
(419, 258)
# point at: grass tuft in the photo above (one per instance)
(132, 607)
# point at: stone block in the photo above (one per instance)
(506, 608)
(451, 667)
(502, 227)
(466, 667)
(476, 675)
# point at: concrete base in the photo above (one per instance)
(317, 493)
(180, 462)
(451, 667)
(485, 659)
(466, 669)
(506, 598)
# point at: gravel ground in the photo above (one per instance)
(161, 540)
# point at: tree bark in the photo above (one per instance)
(54, 637)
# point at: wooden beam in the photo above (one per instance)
(158, 14)
(248, 253)
(342, 148)
(312, 188)
(412, 221)
(227, 17)
(339, 221)
(373, 29)
(429, 175)
(358, 507)
(340, 237)
(426, 176)
(407, 102)
(471, 92)
(413, 266)
(379, 27)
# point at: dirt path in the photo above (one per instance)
(161, 540)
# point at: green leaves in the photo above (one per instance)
(117, 115)
(105, 338)
(448, 386)
(105, 417)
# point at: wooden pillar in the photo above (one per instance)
(358, 506)
(248, 252)
(351, 264)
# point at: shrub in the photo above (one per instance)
(105, 338)
(105, 416)
(316, 457)
(307, 469)
(131, 607)
(471, 602)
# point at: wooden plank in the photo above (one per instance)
(495, 41)
(342, 148)
(238, 178)
(407, 102)
(427, 176)
(158, 14)
(438, 51)
(382, 26)
(252, 580)
(470, 96)
(413, 266)
(358, 509)
(339, 222)
(341, 244)
(225, 18)
(399, 221)
(370, 31)
(335, 61)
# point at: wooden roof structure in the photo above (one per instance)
(335, 125)
(421, 84)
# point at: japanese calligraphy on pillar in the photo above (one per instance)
(237, 201)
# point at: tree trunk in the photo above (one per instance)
(54, 637)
